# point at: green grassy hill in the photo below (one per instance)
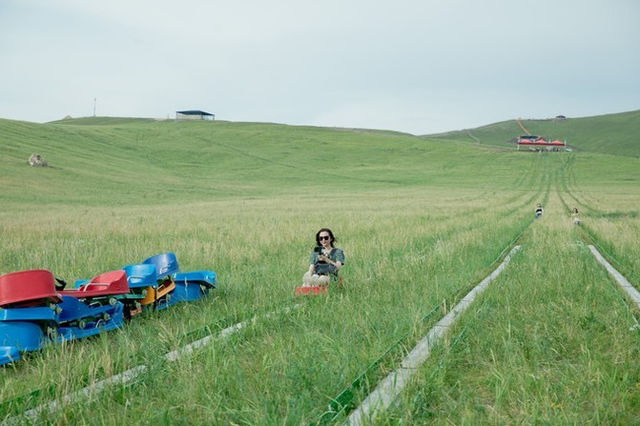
(421, 222)
(138, 161)
(617, 134)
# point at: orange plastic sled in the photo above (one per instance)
(163, 290)
(310, 291)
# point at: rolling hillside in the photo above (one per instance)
(421, 222)
(139, 161)
(617, 134)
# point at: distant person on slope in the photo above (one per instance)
(325, 260)
(574, 216)
(539, 210)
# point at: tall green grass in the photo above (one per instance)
(610, 213)
(420, 223)
(534, 350)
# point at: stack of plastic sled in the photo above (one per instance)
(171, 285)
(33, 312)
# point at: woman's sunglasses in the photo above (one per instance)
(322, 237)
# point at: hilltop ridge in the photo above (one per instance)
(617, 134)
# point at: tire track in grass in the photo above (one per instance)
(568, 174)
(523, 178)
(133, 374)
(562, 184)
(308, 170)
(623, 283)
(552, 336)
(343, 402)
(392, 385)
(268, 399)
(588, 235)
(507, 214)
(136, 371)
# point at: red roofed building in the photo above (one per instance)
(537, 143)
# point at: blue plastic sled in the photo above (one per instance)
(166, 264)
(78, 320)
(192, 286)
(24, 329)
(141, 276)
(8, 354)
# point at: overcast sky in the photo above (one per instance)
(420, 66)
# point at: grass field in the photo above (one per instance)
(421, 221)
(607, 134)
(533, 350)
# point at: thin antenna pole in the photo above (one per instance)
(94, 107)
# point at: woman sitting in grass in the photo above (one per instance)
(325, 260)
(539, 210)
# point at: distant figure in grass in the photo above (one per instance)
(325, 260)
(37, 161)
(539, 210)
(574, 216)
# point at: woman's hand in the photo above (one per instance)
(323, 258)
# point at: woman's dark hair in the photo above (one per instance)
(327, 230)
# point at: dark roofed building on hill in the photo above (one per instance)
(194, 114)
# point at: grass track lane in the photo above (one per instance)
(555, 347)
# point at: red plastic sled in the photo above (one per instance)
(310, 291)
(107, 284)
(30, 287)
